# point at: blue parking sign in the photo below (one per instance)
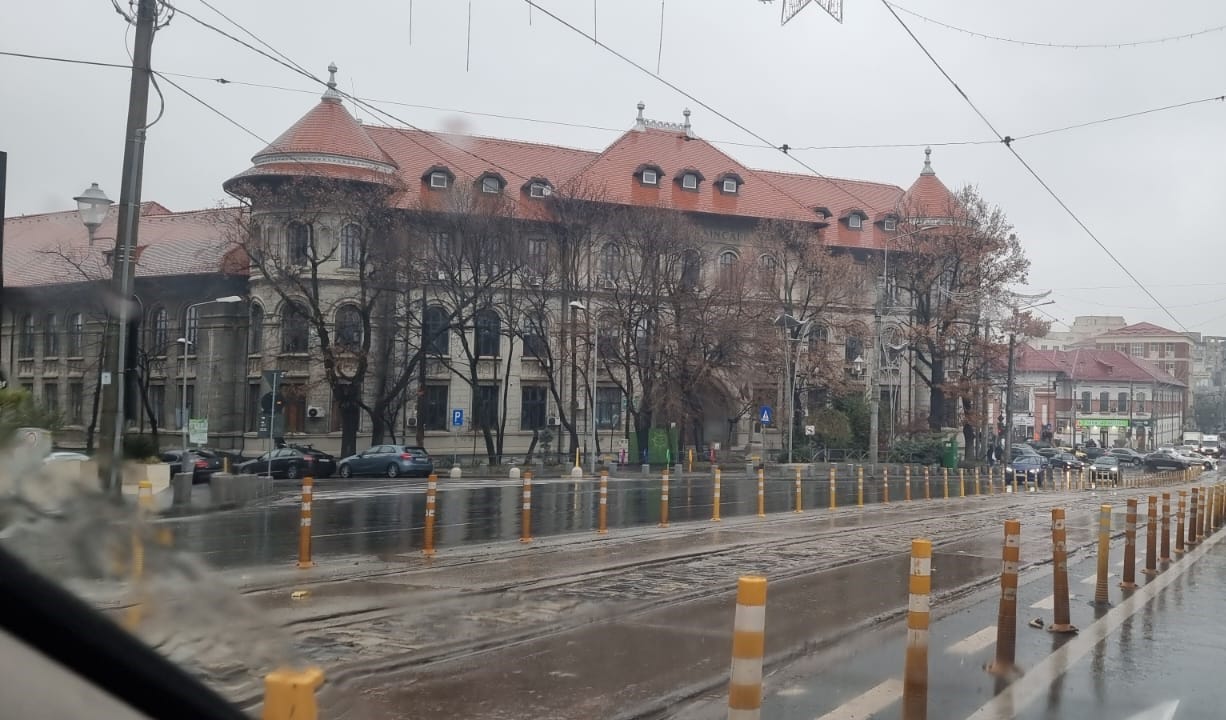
(457, 417)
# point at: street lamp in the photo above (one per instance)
(185, 342)
(92, 206)
(790, 323)
(577, 305)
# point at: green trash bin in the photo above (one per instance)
(949, 455)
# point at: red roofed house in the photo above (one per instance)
(1171, 351)
(653, 165)
(1085, 394)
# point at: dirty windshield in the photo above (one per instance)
(577, 359)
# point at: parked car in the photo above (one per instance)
(1093, 452)
(1065, 461)
(1204, 461)
(65, 456)
(1106, 468)
(1127, 456)
(1166, 459)
(291, 462)
(1028, 468)
(201, 463)
(1023, 450)
(1050, 452)
(388, 460)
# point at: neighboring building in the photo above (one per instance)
(187, 257)
(1107, 396)
(1084, 328)
(1171, 352)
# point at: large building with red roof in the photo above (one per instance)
(655, 164)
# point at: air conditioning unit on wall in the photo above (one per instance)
(552, 422)
(412, 421)
(315, 412)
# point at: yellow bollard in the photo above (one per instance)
(906, 492)
(602, 516)
(915, 664)
(304, 524)
(1062, 622)
(1151, 536)
(691, 451)
(1179, 549)
(1104, 555)
(748, 648)
(860, 486)
(525, 513)
(976, 482)
(1006, 618)
(1165, 550)
(761, 493)
(834, 486)
(1130, 545)
(290, 694)
(715, 497)
(144, 496)
(798, 491)
(664, 498)
(885, 485)
(1194, 519)
(431, 488)
(927, 483)
(961, 483)
(945, 476)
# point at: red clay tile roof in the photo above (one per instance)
(328, 129)
(54, 247)
(1093, 365)
(840, 196)
(1141, 328)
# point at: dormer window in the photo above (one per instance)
(729, 183)
(438, 177)
(491, 184)
(651, 177)
(890, 224)
(649, 174)
(730, 186)
(689, 181)
(539, 190)
(853, 222)
(438, 180)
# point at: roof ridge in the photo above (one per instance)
(465, 136)
(829, 178)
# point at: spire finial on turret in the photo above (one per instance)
(686, 125)
(639, 122)
(331, 93)
(928, 163)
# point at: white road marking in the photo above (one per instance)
(1047, 603)
(974, 643)
(867, 704)
(1037, 680)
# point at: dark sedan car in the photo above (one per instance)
(1166, 461)
(1027, 469)
(291, 462)
(1127, 456)
(1066, 461)
(388, 460)
(201, 463)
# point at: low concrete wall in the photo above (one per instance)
(226, 490)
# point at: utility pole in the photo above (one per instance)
(1009, 401)
(874, 400)
(122, 266)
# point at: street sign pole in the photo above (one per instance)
(272, 419)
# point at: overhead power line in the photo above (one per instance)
(1058, 45)
(1008, 143)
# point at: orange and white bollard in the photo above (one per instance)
(1104, 556)
(961, 482)
(525, 512)
(304, 524)
(798, 492)
(1165, 552)
(834, 487)
(1130, 545)
(1062, 621)
(976, 482)
(664, 498)
(860, 486)
(906, 483)
(431, 488)
(290, 694)
(927, 483)
(1193, 519)
(1179, 548)
(715, 497)
(945, 477)
(761, 493)
(748, 648)
(602, 514)
(885, 485)
(1151, 536)
(915, 664)
(1006, 620)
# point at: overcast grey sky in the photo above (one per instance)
(1151, 188)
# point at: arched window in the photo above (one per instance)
(348, 327)
(295, 331)
(488, 331)
(435, 337)
(536, 335)
(607, 345)
(351, 245)
(642, 338)
(159, 331)
(76, 334)
(51, 336)
(25, 346)
(768, 266)
(691, 269)
(191, 325)
(297, 244)
(610, 263)
(255, 330)
(853, 345)
(1140, 402)
(818, 335)
(727, 268)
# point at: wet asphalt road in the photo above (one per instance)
(387, 517)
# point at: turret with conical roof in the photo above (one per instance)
(928, 198)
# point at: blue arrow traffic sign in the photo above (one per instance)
(766, 415)
(457, 417)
